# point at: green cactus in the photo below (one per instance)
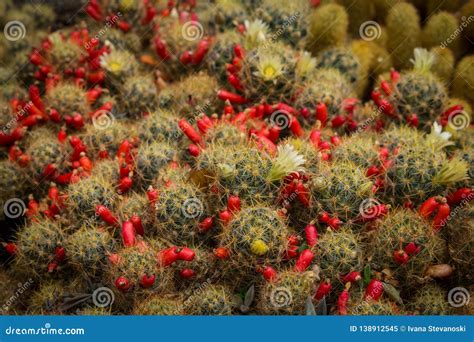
(327, 28)
(105, 134)
(150, 159)
(42, 14)
(383, 307)
(360, 12)
(461, 241)
(360, 149)
(133, 263)
(161, 126)
(430, 300)
(343, 190)
(37, 243)
(288, 294)
(136, 204)
(419, 91)
(342, 60)
(438, 31)
(212, 300)
(255, 233)
(67, 99)
(383, 7)
(266, 71)
(463, 81)
(64, 54)
(190, 96)
(223, 15)
(287, 23)
(328, 86)
(12, 184)
(138, 95)
(119, 64)
(422, 170)
(87, 250)
(467, 12)
(129, 41)
(222, 53)
(47, 299)
(394, 232)
(179, 210)
(444, 66)
(85, 195)
(44, 149)
(158, 306)
(338, 253)
(404, 32)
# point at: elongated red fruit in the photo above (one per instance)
(311, 234)
(342, 300)
(232, 97)
(190, 132)
(106, 215)
(323, 290)
(186, 254)
(233, 204)
(441, 217)
(269, 273)
(322, 113)
(137, 224)
(168, 256)
(460, 195)
(128, 234)
(187, 273)
(221, 253)
(206, 224)
(305, 259)
(351, 277)
(401, 257)
(374, 290)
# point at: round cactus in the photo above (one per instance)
(382, 307)
(106, 134)
(150, 159)
(338, 253)
(288, 294)
(223, 15)
(394, 232)
(343, 189)
(160, 126)
(139, 205)
(44, 150)
(430, 300)
(419, 91)
(120, 40)
(267, 72)
(289, 23)
(327, 28)
(67, 99)
(444, 66)
(464, 79)
(461, 240)
(85, 195)
(12, 185)
(180, 208)
(221, 53)
(87, 250)
(403, 27)
(254, 233)
(138, 95)
(37, 243)
(438, 31)
(360, 149)
(64, 54)
(158, 306)
(191, 96)
(212, 300)
(328, 86)
(119, 64)
(340, 59)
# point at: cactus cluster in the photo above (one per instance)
(237, 157)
